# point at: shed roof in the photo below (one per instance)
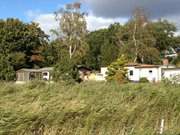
(35, 70)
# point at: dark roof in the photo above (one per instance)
(81, 67)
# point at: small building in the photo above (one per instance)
(25, 75)
(84, 72)
(170, 73)
(153, 73)
(138, 71)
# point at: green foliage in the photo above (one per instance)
(176, 61)
(117, 71)
(65, 71)
(89, 109)
(137, 41)
(73, 27)
(20, 44)
(140, 39)
(72, 46)
(53, 52)
(103, 48)
(143, 80)
(95, 40)
(7, 72)
(163, 31)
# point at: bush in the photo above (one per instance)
(143, 80)
(116, 71)
(35, 84)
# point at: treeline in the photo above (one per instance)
(25, 45)
(144, 45)
(21, 46)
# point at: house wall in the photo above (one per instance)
(170, 73)
(152, 74)
(104, 71)
(22, 76)
(136, 74)
(157, 74)
(140, 73)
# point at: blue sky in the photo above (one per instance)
(41, 11)
(102, 13)
(19, 8)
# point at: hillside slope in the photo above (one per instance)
(89, 109)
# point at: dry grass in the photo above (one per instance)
(88, 109)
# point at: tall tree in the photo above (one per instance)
(137, 41)
(73, 28)
(103, 47)
(21, 44)
(163, 31)
(73, 38)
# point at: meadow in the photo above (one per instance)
(89, 109)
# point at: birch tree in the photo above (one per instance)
(73, 27)
(136, 39)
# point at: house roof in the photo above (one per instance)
(132, 64)
(137, 65)
(176, 68)
(147, 66)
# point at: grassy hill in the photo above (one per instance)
(89, 109)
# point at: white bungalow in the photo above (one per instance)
(154, 73)
(138, 71)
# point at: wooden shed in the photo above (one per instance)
(24, 75)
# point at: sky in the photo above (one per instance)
(101, 13)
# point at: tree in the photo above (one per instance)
(21, 44)
(163, 31)
(110, 49)
(117, 70)
(73, 45)
(136, 40)
(103, 47)
(74, 29)
(6, 69)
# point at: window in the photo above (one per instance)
(131, 72)
(45, 74)
(150, 71)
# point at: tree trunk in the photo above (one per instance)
(135, 42)
(70, 52)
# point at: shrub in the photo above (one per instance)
(116, 71)
(35, 84)
(143, 80)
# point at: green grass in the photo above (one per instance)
(89, 109)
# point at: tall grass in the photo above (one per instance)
(88, 109)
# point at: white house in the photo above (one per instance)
(154, 73)
(138, 71)
(170, 73)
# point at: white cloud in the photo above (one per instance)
(47, 21)
(95, 23)
(32, 13)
